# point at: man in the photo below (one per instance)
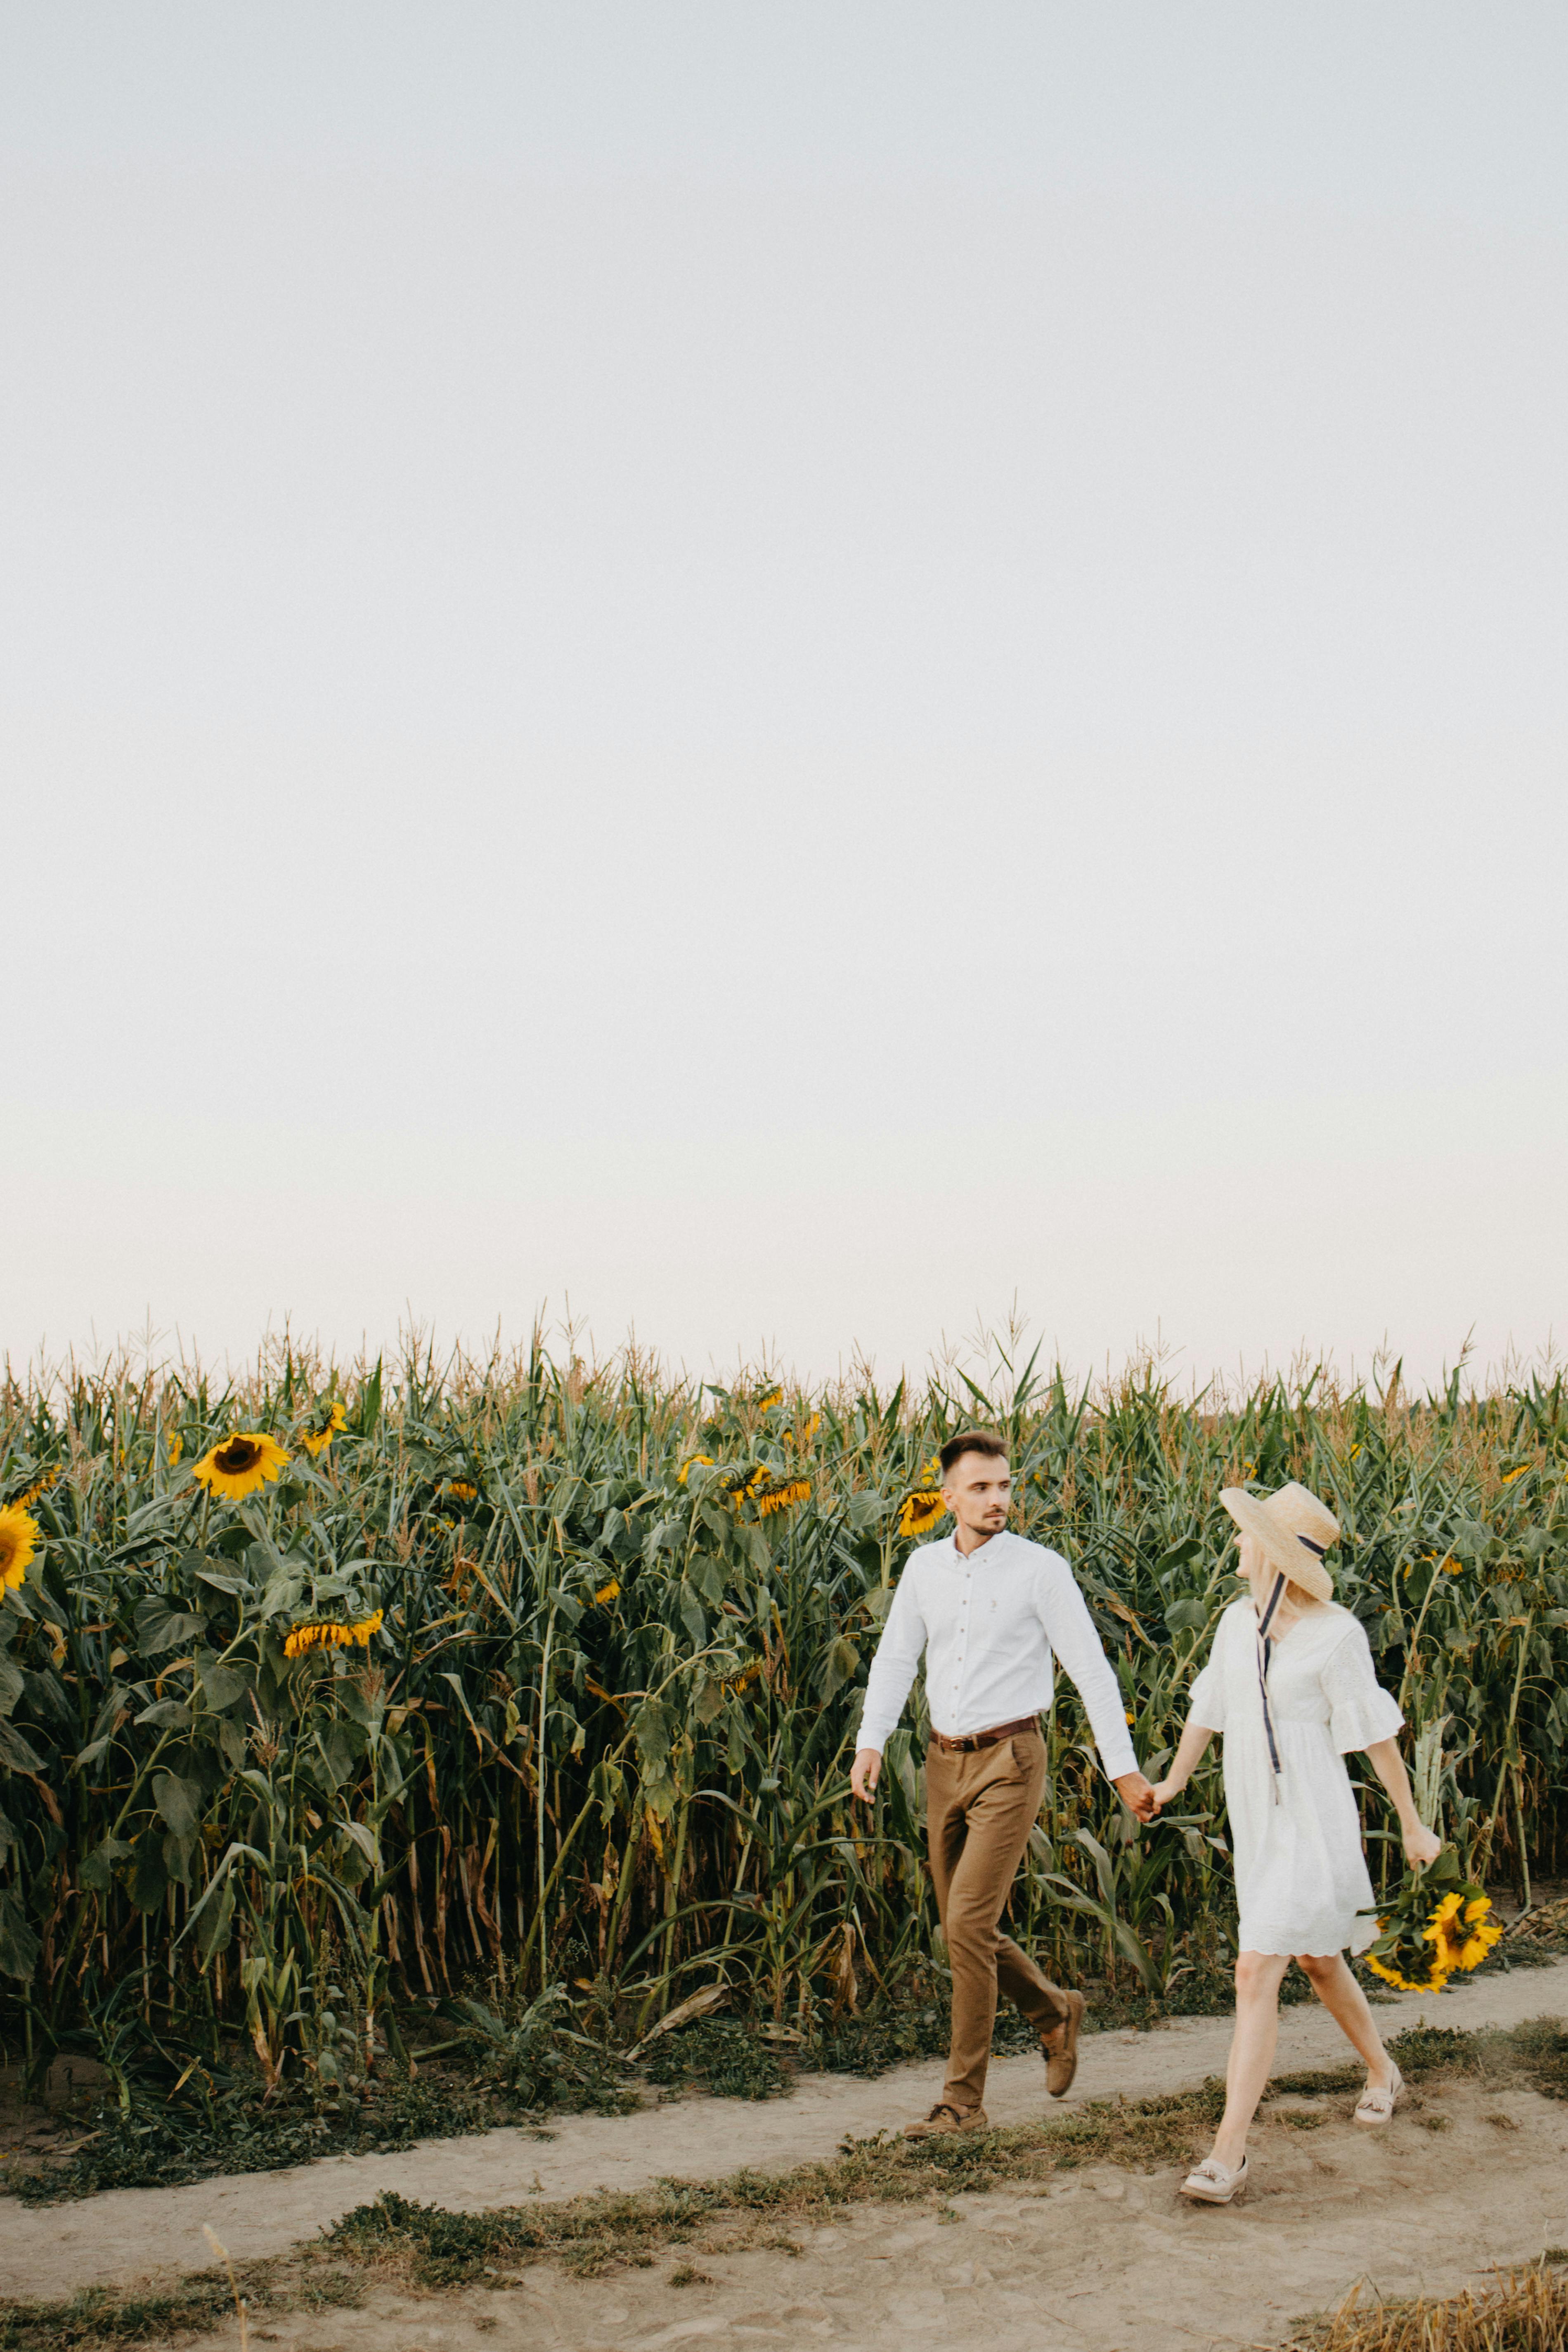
(989, 1609)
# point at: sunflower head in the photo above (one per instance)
(239, 1465)
(920, 1512)
(1481, 1932)
(771, 1498)
(1433, 1981)
(691, 1463)
(331, 1633)
(316, 1440)
(18, 1542)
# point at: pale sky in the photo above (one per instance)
(793, 669)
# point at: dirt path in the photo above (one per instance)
(131, 2233)
(1102, 2262)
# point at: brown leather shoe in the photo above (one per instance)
(1060, 2048)
(943, 2118)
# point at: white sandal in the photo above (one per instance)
(1377, 2106)
(1213, 2183)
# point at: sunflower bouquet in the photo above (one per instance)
(1438, 1925)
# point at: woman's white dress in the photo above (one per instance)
(1300, 1869)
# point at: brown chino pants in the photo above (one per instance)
(980, 1809)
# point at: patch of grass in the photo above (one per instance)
(1316, 2081)
(158, 2142)
(1542, 2047)
(725, 2055)
(1525, 2312)
(100, 2317)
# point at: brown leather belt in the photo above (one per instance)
(974, 1739)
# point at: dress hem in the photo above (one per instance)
(1275, 1947)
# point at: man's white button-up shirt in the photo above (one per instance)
(989, 1622)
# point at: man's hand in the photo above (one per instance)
(865, 1773)
(1137, 1795)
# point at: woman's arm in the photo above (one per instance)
(1195, 1739)
(1386, 1761)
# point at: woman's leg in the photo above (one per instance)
(1258, 1977)
(1346, 2003)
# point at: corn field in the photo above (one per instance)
(549, 1673)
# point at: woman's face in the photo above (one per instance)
(1252, 1562)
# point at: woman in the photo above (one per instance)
(1291, 1683)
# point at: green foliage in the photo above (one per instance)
(598, 1745)
(722, 2055)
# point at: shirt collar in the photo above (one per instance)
(987, 1551)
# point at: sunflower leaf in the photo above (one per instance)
(178, 1800)
(19, 1945)
(161, 1627)
(95, 1873)
(15, 1752)
(166, 1715)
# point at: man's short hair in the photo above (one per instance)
(972, 1441)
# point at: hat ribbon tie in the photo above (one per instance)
(1265, 1653)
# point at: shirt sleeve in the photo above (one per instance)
(893, 1667)
(1070, 1629)
(1361, 1712)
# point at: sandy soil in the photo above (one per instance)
(1105, 2260)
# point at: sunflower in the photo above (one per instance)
(460, 1490)
(240, 1465)
(329, 1633)
(689, 1464)
(769, 1499)
(18, 1541)
(921, 1510)
(1484, 1932)
(1431, 1983)
(40, 1485)
(1444, 1932)
(316, 1440)
(610, 1591)
(742, 1483)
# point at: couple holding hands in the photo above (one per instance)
(1290, 1683)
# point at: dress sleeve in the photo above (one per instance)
(1205, 1703)
(1360, 1711)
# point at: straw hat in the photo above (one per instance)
(1294, 1529)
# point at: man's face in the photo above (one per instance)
(978, 1491)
